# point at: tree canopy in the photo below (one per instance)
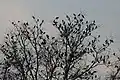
(32, 54)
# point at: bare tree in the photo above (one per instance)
(32, 54)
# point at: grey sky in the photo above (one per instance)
(105, 12)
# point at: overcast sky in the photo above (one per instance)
(105, 12)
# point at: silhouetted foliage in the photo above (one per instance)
(115, 67)
(32, 54)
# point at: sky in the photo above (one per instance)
(105, 12)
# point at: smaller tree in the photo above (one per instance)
(22, 51)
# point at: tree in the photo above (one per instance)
(32, 54)
(114, 64)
